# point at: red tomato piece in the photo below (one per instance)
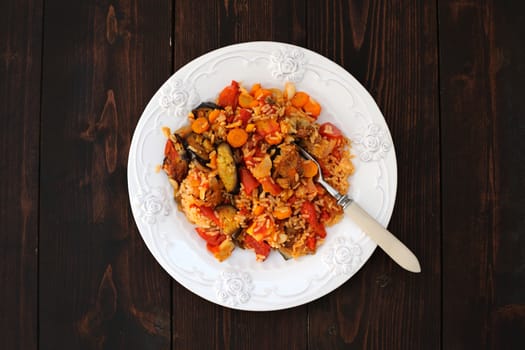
(229, 95)
(212, 240)
(330, 131)
(248, 180)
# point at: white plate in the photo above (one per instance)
(240, 282)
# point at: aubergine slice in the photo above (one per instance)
(204, 109)
(285, 254)
(208, 105)
(199, 146)
(226, 168)
(227, 214)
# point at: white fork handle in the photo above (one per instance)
(392, 246)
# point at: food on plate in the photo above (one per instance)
(239, 178)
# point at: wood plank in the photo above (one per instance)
(99, 286)
(391, 48)
(20, 72)
(482, 56)
(195, 321)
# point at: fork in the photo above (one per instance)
(389, 243)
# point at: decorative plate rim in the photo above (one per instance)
(343, 254)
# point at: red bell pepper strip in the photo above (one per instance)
(248, 181)
(229, 95)
(244, 116)
(212, 240)
(262, 249)
(309, 213)
(210, 214)
(270, 186)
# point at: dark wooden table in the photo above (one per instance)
(75, 76)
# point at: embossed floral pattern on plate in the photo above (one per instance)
(343, 256)
(371, 144)
(234, 287)
(178, 98)
(152, 205)
(288, 64)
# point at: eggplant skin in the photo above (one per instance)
(199, 146)
(208, 105)
(227, 215)
(226, 168)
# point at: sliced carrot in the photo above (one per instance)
(255, 88)
(262, 93)
(200, 125)
(273, 139)
(282, 213)
(237, 137)
(312, 107)
(245, 100)
(300, 99)
(309, 168)
(212, 117)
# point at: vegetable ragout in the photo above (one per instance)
(238, 176)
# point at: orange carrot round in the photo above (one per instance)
(212, 117)
(200, 125)
(309, 168)
(237, 137)
(300, 99)
(312, 107)
(245, 100)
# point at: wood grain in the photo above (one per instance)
(20, 71)
(197, 323)
(391, 48)
(74, 79)
(483, 135)
(99, 286)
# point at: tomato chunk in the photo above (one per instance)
(229, 95)
(330, 131)
(249, 182)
